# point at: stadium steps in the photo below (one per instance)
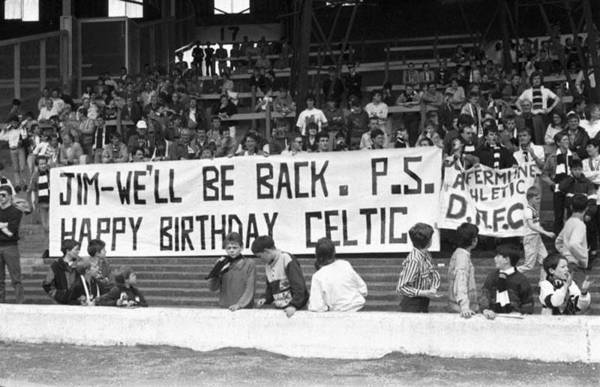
(180, 281)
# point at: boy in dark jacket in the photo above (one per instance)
(286, 288)
(124, 293)
(577, 183)
(505, 290)
(61, 276)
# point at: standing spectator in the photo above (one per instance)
(285, 282)
(295, 146)
(559, 293)
(70, 152)
(378, 109)
(457, 94)
(335, 286)
(335, 118)
(528, 151)
(116, 151)
(311, 114)
(61, 275)
(475, 111)
(353, 82)
(323, 142)
(10, 220)
(198, 56)
(577, 183)
(332, 86)
(556, 169)
(505, 289)
(39, 186)
(401, 138)
(221, 56)
(571, 243)
(462, 290)
(234, 276)
(539, 96)
(209, 60)
(411, 75)
(419, 281)
(427, 75)
(16, 138)
(492, 154)
(535, 250)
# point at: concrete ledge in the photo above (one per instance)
(364, 335)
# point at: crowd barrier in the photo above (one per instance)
(363, 335)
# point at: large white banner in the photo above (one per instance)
(365, 201)
(492, 199)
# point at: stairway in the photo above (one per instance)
(180, 281)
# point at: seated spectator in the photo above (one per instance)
(335, 286)
(61, 275)
(234, 276)
(138, 155)
(429, 128)
(424, 142)
(284, 103)
(592, 126)
(559, 294)
(340, 142)
(401, 138)
(97, 257)
(116, 151)
(224, 109)
(124, 293)
(366, 141)
(323, 142)
(226, 145)
(187, 147)
(505, 290)
(85, 290)
(70, 152)
(252, 147)
(462, 289)
(431, 96)
(310, 143)
(295, 146)
(419, 281)
(285, 282)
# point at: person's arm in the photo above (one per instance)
(525, 297)
(49, 283)
(548, 172)
(485, 297)
(578, 244)
(268, 297)
(360, 283)
(461, 283)
(407, 276)
(297, 284)
(248, 294)
(550, 297)
(110, 298)
(214, 284)
(142, 300)
(13, 221)
(316, 301)
(555, 99)
(123, 154)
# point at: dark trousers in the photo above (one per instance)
(9, 257)
(414, 304)
(559, 211)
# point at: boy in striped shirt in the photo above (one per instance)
(419, 281)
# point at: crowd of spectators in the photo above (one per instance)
(468, 105)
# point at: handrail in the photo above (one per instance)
(30, 38)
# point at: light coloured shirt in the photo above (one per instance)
(337, 288)
(546, 95)
(462, 289)
(379, 110)
(591, 127)
(313, 115)
(571, 243)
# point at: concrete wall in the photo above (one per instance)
(330, 335)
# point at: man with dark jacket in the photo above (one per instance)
(10, 219)
(492, 154)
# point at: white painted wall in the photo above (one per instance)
(363, 335)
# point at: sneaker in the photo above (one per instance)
(46, 254)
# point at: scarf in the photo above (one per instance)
(222, 266)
